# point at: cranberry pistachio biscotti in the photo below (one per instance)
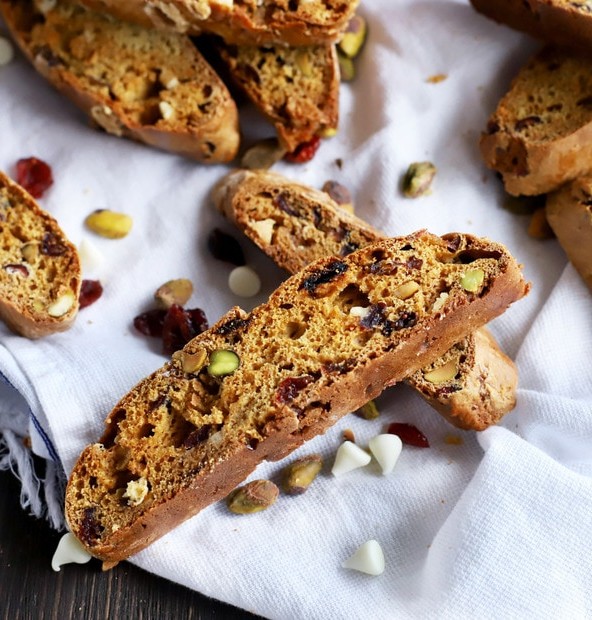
(150, 86)
(40, 269)
(256, 386)
(473, 385)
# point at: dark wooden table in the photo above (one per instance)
(30, 589)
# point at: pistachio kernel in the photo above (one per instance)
(254, 496)
(300, 474)
(222, 363)
(347, 69)
(263, 155)
(173, 292)
(354, 37)
(191, 362)
(109, 224)
(369, 411)
(417, 181)
(472, 280)
(443, 373)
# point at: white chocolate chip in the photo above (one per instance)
(440, 301)
(166, 110)
(6, 51)
(386, 449)
(368, 559)
(90, 257)
(264, 229)
(349, 457)
(136, 491)
(359, 311)
(69, 551)
(244, 281)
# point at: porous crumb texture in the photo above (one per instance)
(134, 82)
(296, 225)
(539, 135)
(296, 88)
(39, 266)
(242, 22)
(305, 360)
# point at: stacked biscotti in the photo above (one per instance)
(473, 385)
(539, 139)
(132, 68)
(256, 386)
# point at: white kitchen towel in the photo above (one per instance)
(496, 527)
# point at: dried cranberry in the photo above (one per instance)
(16, 268)
(34, 175)
(304, 152)
(180, 326)
(52, 245)
(225, 247)
(150, 323)
(409, 434)
(283, 202)
(289, 388)
(90, 291)
(406, 319)
(375, 317)
(330, 272)
(90, 529)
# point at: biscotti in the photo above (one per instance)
(473, 385)
(297, 89)
(540, 135)
(569, 213)
(256, 386)
(150, 86)
(40, 269)
(562, 22)
(248, 22)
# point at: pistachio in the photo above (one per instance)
(263, 229)
(191, 362)
(328, 132)
(109, 224)
(173, 292)
(347, 68)
(222, 363)
(30, 252)
(418, 179)
(354, 37)
(254, 496)
(369, 411)
(304, 61)
(263, 155)
(61, 305)
(337, 192)
(472, 280)
(300, 474)
(407, 290)
(443, 373)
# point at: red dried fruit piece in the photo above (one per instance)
(409, 434)
(288, 389)
(34, 175)
(304, 152)
(180, 326)
(90, 291)
(225, 247)
(150, 323)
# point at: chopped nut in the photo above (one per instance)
(304, 62)
(453, 440)
(386, 449)
(109, 224)
(254, 496)
(30, 252)
(264, 229)
(136, 491)
(338, 192)
(354, 37)
(347, 68)
(407, 290)
(539, 226)
(223, 362)
(440, 301)
(443, 373)
(62, 305)
(300, 474)
(244, 281)
(166, 110)
(437, 78)
(369, 559)
(263, 155)
(173, 292)
(472, 280)
(328, 132)
(369, 411)
(418, 179)
(191, 362)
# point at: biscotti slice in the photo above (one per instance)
(540, 136)
(240, 22)
(564, 22)
(569, 213)
(151, 86)
(297, 89)
(40, 269)
(473, 384)
(256, 386)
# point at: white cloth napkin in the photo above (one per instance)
(498, 527)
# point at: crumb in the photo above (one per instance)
(339, 163)
(453, 440)
(435, 79)
(348, 435)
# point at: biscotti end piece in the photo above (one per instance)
(569, 213)
(136, 83)
(40, 269)
(182, 440)
(473, 385)
(248, 22)
(540, 136)
(297, 89)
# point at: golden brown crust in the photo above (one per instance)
(239, 23)
(38, 267)
(145, 85)
(295, 225)
(540, 135)
(187, 438)
(569, 213)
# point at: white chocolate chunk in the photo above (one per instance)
(69, 551)
(359, 311)
(368, 559)
(264, 229)
(6, 51)
(166, 110)
(349, 457)
(386, 449)
(136, 491)
(244, 281)
(90, 257)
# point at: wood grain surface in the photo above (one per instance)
(30, 589)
